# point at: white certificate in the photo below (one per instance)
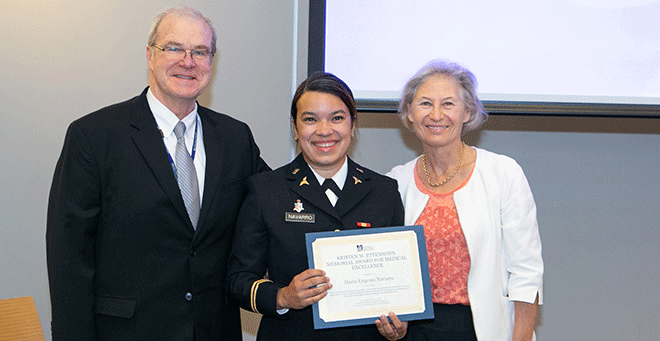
(373, 271)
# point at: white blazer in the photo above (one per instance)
(497, 213)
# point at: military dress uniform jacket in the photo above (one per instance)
(124, 261)
(266, 242)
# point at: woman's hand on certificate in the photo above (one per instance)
(393, 330)
(307, 288)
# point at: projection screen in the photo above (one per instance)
(565, 57)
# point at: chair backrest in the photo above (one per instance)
(19, 320)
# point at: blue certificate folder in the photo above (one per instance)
(427, 312)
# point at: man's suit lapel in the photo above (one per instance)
(213, 144)
(355, 189)
(149, 142)
(302, 181)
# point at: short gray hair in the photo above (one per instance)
(183, 12)
(467, 91)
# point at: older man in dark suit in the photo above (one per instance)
(144, 200)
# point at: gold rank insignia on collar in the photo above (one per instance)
(295, 171)
(359, 170)
(304, 182)
(357, 181)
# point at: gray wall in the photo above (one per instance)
(596, 181)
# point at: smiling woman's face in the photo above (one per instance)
(324, 130)
(437, 112)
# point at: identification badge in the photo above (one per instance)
(299, 217)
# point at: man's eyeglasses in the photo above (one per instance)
(201, 55)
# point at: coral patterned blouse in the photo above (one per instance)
(449, 260)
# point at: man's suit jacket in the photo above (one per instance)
(265, 240)
(124, 261)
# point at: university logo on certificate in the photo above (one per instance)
(373, 271)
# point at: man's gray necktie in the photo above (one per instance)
(186, 175)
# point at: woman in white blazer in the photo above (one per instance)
(478, 213)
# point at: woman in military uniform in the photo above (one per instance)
(321, 190)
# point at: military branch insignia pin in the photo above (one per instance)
(304, 182)
(298, 206)
(357, 181)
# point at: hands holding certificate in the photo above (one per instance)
(374, 270)
(312, 285)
